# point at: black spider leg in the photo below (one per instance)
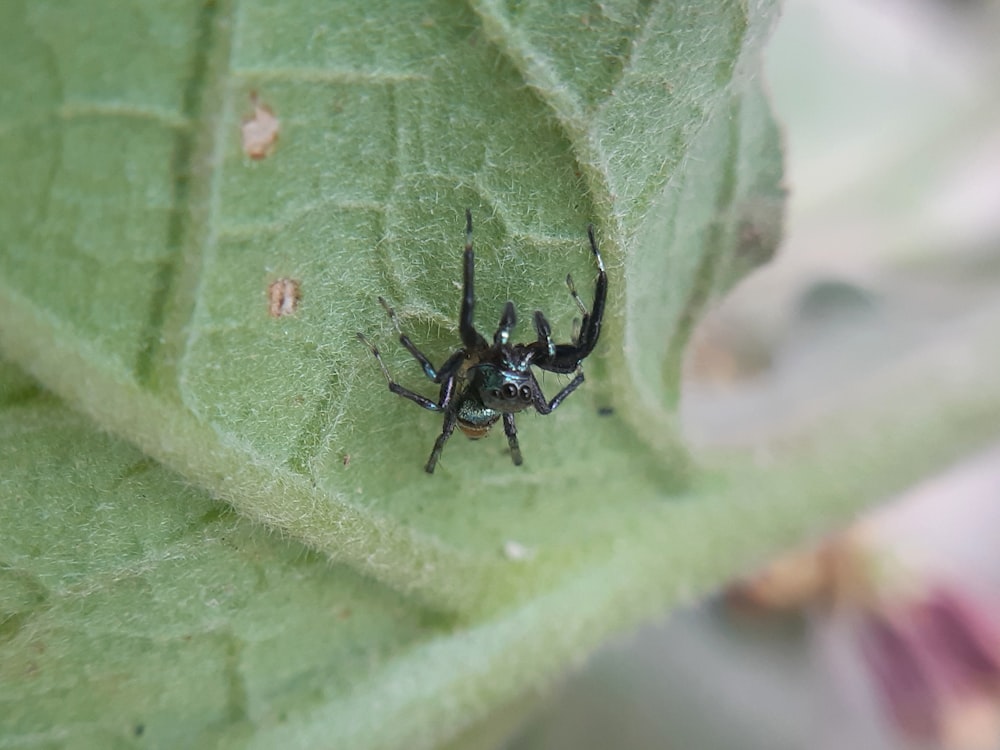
(567, 357)
(590, 327)
(396, 387)
(578, 324)
(429, 369)
(544, 331)
(508, 319)
(466, 328)
(510, 430)
(543, 407)
(450, 419)
(446, 376)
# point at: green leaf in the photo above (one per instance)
(141, 241)
(136, 611)
(138, 245)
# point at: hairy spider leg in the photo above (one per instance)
(446, 377)
(547, 408)
(447, 387)
(567, 357)
(510, 430)
(590, 327)
(418, 355)
(576, 330)
(396, 388)
(544, 331)
(576, 297)
(450, 419)
(471, 338)
(432, 373)
(508, 319)
(578, 325)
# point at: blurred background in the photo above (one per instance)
(886, 634)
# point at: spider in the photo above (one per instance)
(483, 383)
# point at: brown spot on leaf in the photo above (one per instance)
(283, 297)
(260, 130)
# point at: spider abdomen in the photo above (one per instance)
(475, 419)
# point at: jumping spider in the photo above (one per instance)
(481, 383)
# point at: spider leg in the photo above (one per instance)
(437, 375)
(579, 325)
(590, 326)
(396, 387)
(510, 430)
(567, 357)
(507, 322)
(547, 408)
(450, 367)
(544, 334)
(446, 376)
(576, 297)
(450, 419)
(418, 355)
(466, 328)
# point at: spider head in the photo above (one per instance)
(504, 388)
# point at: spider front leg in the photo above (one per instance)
(567, 357)
(578, 332)
(544, 331)
(543, 407)
(466, 328)
(590, 328)
(508, 319)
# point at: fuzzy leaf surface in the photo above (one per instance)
(140, 242)
(135, 611)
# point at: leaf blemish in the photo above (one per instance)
(283, 297)
(260, 130)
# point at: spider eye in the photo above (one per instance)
(525, 393)
(495, 393)
(509, 390)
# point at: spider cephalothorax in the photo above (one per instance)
(483, 383)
